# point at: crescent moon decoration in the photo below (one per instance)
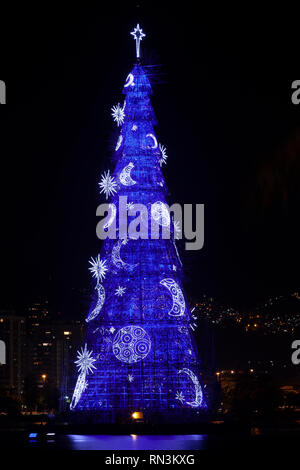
(81, 385)
(198, 390)
(160, 213)
(112, 216)
(155, 143)
(120, 140)
(125, 176)
(131, 344)
(116, 257)
(101, 299)
(129, 80)
(178, 307)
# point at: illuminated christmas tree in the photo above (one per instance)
(139, 353)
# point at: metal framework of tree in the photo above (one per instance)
(139, 353)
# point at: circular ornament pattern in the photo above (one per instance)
(131, 344)
(160, 213)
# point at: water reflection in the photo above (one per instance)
(137, 442)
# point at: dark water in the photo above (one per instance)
(270, 438)
(121, 442)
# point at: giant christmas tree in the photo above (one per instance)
(139, 353)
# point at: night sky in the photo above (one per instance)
(222, 97)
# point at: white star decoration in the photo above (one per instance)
(180, 397)
(177, 229)
(85, 361)
(107, 184)
(129, 206)
(98, 268)
(112, 329)
(120, 291)
(118, 113)
(134, 127)
(174, 267)
(164, 156)
(130, 378)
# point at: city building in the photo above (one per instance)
(51, 346)
(13, 345)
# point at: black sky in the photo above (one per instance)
(222, 99)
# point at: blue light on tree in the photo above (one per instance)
(142, 354)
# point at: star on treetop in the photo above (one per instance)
(138, 35)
